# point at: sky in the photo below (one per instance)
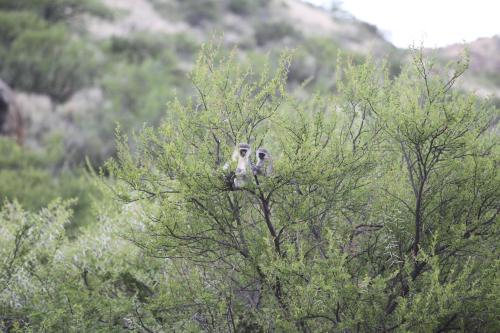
(434, 23)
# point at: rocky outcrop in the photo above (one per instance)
(10, 115)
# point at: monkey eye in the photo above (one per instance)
(262, 155)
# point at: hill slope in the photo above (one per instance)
(483, 75)
(238, 21)
(123, 62)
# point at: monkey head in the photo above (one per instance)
(262, 154)
(264, 166)
(244, 149)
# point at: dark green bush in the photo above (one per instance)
(37, 51)
(57, 10)
(15, 23)
(273, 31)
(243, 7)
(137, 94)
(137, 48)
(29, 177)
(140, 92)
(184, 45)
(48, 61)
(380, 214)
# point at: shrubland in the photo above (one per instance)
(381, 213)
(38, 52)
(35, 178)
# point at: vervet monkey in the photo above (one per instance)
(264, 166)
(241, 156)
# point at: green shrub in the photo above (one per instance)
(38, 52)
(57, 10)
(15, 23)
(381, 212)
(185, 46)
(316, 61)
(167, 9)
(143, 46)
(48, 61)
(139, 92)
(139, 47)
(29, 242)
(92, 281)
(28, 177)
(243, 7)
(274, 31)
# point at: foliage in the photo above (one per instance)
(137, 86)
(185, 46)
(139, 92)
(48, 61)
(273, 31)
(29, 242)
(38, 52)
(29, 178)
(315, 63)
(15, 23)
(140, 47)
(50, 283)
(137, 48)
(244, 7)
(381, 214)
(135, 89)
(57, 10)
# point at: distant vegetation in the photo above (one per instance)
(35, 178)
(55, 11)
(44, 53)
(40, 55)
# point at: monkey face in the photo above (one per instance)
(243, 149)
(262, 154)
(264, 166)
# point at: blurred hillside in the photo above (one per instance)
(483, 76)
(78, 68)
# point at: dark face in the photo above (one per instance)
(262, 156)
(243, 152)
